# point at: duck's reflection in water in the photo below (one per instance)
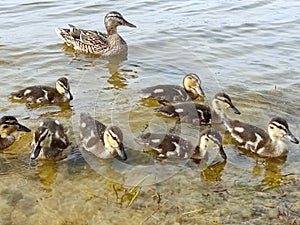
(213, 172)
(46, 170)
(271, 171)
(119, 76)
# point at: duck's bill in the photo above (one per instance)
(200, 91)
(222, 153)
(291, 137)
(235, 110)
(69, 95)
(23, 128)
(126, 23)
(35, 152)
(121, 152)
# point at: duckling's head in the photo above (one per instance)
(192, 84)
(211, 138)
(113, 141)
(222, 101)
(114, 19)
(278, 127)
(41, 139)
(9, 124)
(63, 87)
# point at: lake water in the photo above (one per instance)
(249, 49)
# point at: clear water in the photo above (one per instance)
(249, 49)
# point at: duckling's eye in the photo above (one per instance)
(5, 126)
(271, 127)
(206, 139)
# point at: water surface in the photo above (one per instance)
(248, 49)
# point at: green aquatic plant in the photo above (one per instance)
(129, 195)
(123, 194)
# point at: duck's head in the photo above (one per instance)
(192, 84)
(9, 124)
(63, 87)
(222, 101)
(41, 139)
(278, 127)
(113, 141)
(211, 138)
(114, 19)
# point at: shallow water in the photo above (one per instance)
(248, 49)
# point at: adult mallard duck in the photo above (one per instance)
(95, 42)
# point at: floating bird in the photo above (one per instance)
(173, 146)
(50, 141)
(95, 42)
(9, 126)
(256, 140)
(197, 113)
(103, 141)
(174, 93)
(45, 94)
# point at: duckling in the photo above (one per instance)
(196, 113)
(95, 42)
(103, 141)
(45, 94)
(173, 93)
(8, 127)
(50, 141)
(209, 138)
(258, 141)
(172, 146)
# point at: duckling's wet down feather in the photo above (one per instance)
(103, 141)
(9, 126)
(45, 94)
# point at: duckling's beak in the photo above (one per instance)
(69, 95)
(222, 153)
(23, 128)
(235, 110)
(121, 152)
(36, 151)
(200, 91)
(126, 23)
(291, 137)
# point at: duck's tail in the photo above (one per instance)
(65, 35)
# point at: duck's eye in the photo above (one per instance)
(206, 139)
(5, 126)
(271, 127)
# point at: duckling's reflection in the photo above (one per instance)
(213, 172)
(272, 173)
(208, 171)
(47, 172)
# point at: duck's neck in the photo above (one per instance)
(192, 94)
(277, 146)
(218, 113)
(116, 45)
(111, 30)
